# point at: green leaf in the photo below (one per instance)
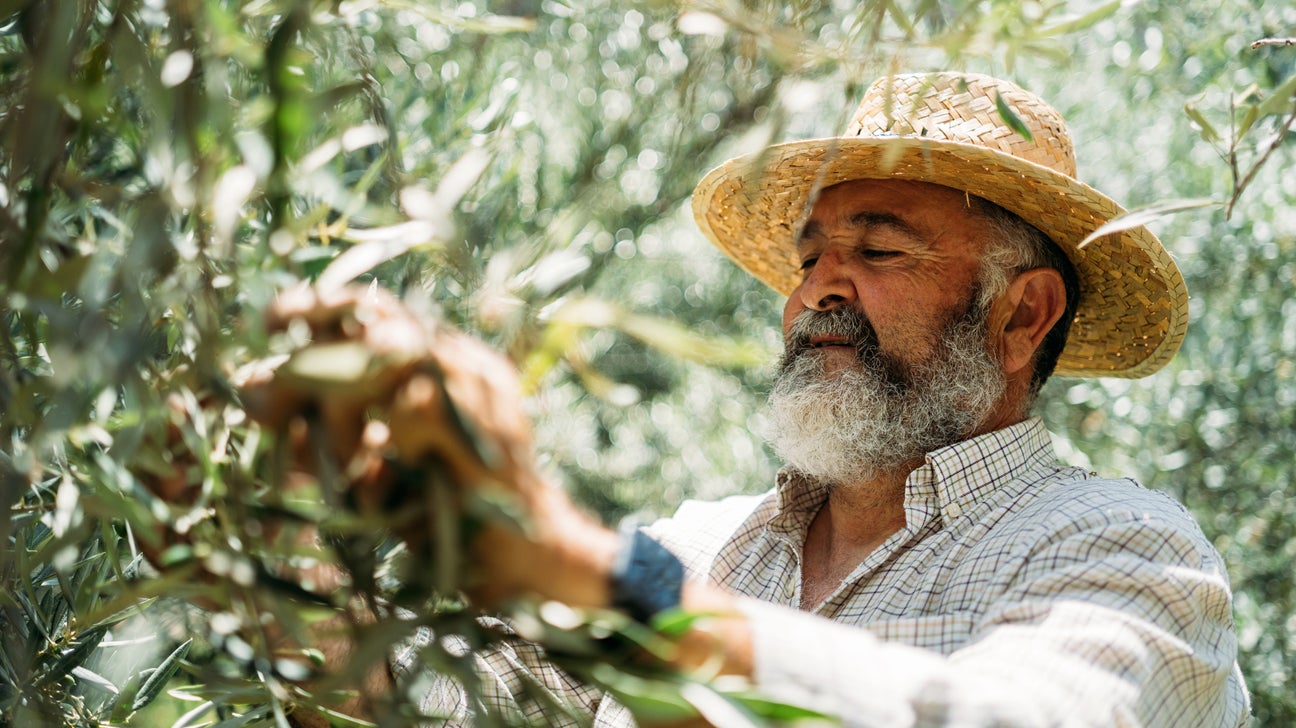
(1144, 215)
(120, 709)
(188, 719)
(326, 365)
(432, 223)
(649, 700)
(674, 339)
(35, 616)
(257, 713)
(777, 711)
(314, 259)
(94, 679)
(675, 622)
(1011, 118)
(716, 708)
(898, 15)
(1249, 117)
(1280, 100)
(1087, 20)
(377, 246)
(156, 682)
(85, 644)
(1208, 132)
(662, 334)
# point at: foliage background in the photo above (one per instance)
(166, 165)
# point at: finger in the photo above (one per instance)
(266, 398)
(484, 385)
(393, 330)
(368, 472)
(419, 419)
(288, 304)
(368, 314)
(321, 311)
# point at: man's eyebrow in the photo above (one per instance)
(866, 221)
(871, 220)
(810, 230)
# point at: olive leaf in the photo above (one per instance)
(1144, 215)
(1011, 118)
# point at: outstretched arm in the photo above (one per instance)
(435, 399)
(1073, 642)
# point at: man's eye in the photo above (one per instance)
(809, 263)
(879, 254)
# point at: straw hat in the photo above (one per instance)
(946, 128)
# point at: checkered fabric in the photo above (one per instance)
(1020, 592)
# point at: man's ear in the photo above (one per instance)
(1025, 313)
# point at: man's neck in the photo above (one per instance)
(854, 521)
(859, 517)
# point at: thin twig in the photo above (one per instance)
(1273, 42)
(1233, 147)
(1255, 167)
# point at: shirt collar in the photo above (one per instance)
(957, 477)
(799, 499)
(951, 480)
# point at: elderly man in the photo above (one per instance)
(923, 559)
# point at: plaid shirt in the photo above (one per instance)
(1019, 592)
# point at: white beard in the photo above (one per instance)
(878, 414)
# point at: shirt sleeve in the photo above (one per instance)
(514, 681)
(1113, 624)
(700, 529)
(517, 682)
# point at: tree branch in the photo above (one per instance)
(1273, 42)
(1255, 167)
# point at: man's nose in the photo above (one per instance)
(827, 284)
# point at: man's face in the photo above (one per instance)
(905, 254)
(886, 352)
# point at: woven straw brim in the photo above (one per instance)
(1133, 310)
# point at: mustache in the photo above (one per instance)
(842, 322)
(855, 329)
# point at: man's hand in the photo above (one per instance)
(385, 400)
(425, 399)
(355, 346)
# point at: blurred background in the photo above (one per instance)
(521, 170)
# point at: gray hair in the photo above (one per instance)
(1015, 246)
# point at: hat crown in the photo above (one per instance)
(962, 108)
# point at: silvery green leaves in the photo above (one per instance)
(69, 652)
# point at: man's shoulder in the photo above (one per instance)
(699, 529)
(1034, 488)
(1098, 512)
(1093, 497)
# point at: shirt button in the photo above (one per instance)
(953, 510)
